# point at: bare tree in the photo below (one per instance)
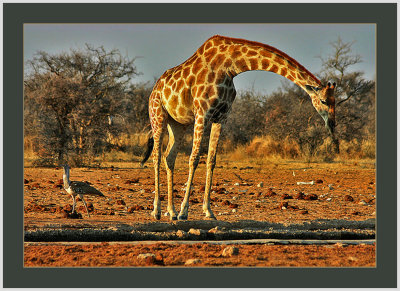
(246, 120)
(355, 95)
(71, 96)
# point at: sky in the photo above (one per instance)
(158, 47)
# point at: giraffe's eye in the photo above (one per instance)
(323, 102)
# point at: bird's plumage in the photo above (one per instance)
(84, 188)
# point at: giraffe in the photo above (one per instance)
(200, 92)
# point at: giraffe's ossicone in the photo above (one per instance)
(200, 92)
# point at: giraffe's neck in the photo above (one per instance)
(250, 56)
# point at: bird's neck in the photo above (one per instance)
(66, 180)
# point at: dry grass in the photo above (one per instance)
(359, 150)
(260, 149)
(30, 154)
(268, 148)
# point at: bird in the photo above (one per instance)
(78, 188)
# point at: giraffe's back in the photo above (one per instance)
(197, 85)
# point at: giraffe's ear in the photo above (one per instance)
(312, 89)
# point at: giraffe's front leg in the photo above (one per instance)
(171, 212)
(211, 160)
(193, 162)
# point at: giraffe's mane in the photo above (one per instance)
(267, 47)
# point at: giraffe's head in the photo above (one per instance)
(323, 99)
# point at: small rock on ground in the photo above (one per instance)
(192, 261)
(230, 251)
(151, 259)
(180, 233)
(145, 256)
(215, 229)
(196, 231)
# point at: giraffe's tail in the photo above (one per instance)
(150, 144)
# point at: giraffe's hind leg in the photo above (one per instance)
(158, 121)
(156, 213)
(211, 160)
(175, 132)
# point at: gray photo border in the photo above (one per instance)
(15, 275)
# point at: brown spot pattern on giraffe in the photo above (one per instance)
(241, 64)
(223, 48)
(217, 61)
(253, 64)
(274, 69)
(197, 65)
(173, 102)
(211, 77)
(236, 53)
(264, 64)
(210, 54)
(279, 60)
(201, 76)
(200, 90)
(265, 54)
(227, 63)
(167, 92)
(186, 72)
(190, 80)
(209, 92)
(208, 45)
(187, 99)
(252, 53)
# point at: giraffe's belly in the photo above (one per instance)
(179, 108)
(187, 118)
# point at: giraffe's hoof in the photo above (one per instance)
(182, 217)
(209, 215)
(172, 216)
(156, 216)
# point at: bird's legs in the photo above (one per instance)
(84, 202)
(73, 203)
